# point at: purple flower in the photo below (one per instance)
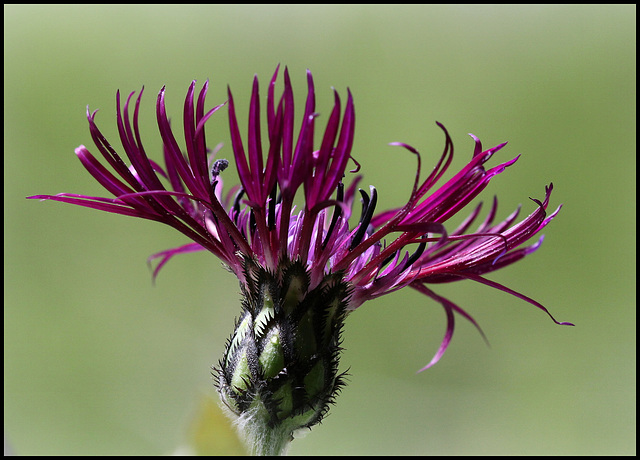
(312, 249)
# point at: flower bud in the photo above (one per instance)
(279, 372)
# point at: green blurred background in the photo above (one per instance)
(98, 360)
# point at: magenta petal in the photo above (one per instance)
(448, 308)
(165, 256)
(501, 287)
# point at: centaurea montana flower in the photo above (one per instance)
(304, 267)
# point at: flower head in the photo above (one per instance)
(288, 232)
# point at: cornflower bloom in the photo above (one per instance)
(303, 267)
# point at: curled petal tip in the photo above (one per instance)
(310, 82)
(499, 146)
(406, 146)
(90, 114)
(161, 96)
(80, 149)
(441, 126)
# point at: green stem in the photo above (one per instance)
(260, 437)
